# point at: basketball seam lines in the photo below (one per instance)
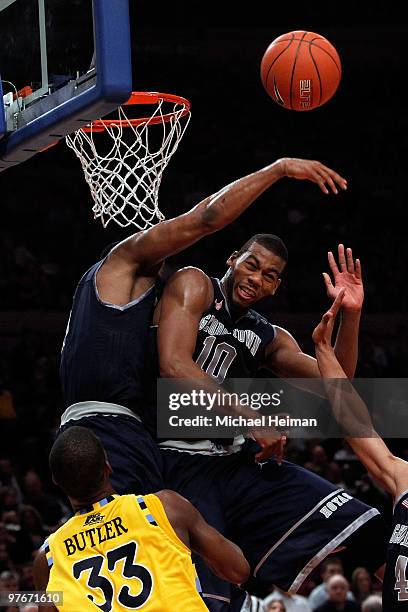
(310, 42)
(276, 58)
(325, 51)
(318, 73)
(293, 69)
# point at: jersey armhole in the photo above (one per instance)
(157, 509)
(46, 548)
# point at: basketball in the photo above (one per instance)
(301, 70)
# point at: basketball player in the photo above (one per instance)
(125, 552)
(391, 472)
(103, 351)
(276, 514)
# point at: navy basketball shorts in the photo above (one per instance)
(132, 453)
(285, 518)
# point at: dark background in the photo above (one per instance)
(210, 53)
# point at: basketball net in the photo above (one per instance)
(124, 169)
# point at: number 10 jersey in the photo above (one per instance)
(231, 348)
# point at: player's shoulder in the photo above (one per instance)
(191, 280)
(260, 320)
(401, 480)
(174, 504)
(170, 497)
(190, 273)
(283, 335)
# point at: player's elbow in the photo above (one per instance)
(172, 366)
(240, 572)
(234, 567)
(234, 572)
(210, 219)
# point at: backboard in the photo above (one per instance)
(45, 99)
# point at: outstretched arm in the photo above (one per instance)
(352, 414)
(142, 252)
(224, 557)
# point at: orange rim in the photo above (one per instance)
(140, 97)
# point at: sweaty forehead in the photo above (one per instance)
(266, 258)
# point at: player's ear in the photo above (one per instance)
(278, 282)
(232, 259)
(108, 469)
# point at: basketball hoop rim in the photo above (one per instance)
(142, 97)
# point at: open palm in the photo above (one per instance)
(346, 275)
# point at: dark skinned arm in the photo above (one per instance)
(224, 557)
(139, 256)
(41, 577)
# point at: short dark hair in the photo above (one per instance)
(269, 241)
(77, 462)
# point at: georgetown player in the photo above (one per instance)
(103, 352)
(208, 330)
(390, 471)
(128, 552)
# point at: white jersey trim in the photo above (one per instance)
(294, 527)
(203, 447)
(218, 597)
(115, 306)
(399, 499)
(88, 409)
(332, 545)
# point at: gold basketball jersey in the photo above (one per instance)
(122, 553)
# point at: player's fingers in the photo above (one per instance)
(342, 258)
(350, 260)
(326, 318)
(319, 179)
(332, 263)
(327, 179)
(327, 281)
(358, 269)
(335, 307)
(335, 176)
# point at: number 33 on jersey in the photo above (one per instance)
(121, 553)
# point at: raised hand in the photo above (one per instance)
(307, 169)
(322, 334)
(346, 275)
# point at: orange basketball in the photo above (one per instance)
(301, 70)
